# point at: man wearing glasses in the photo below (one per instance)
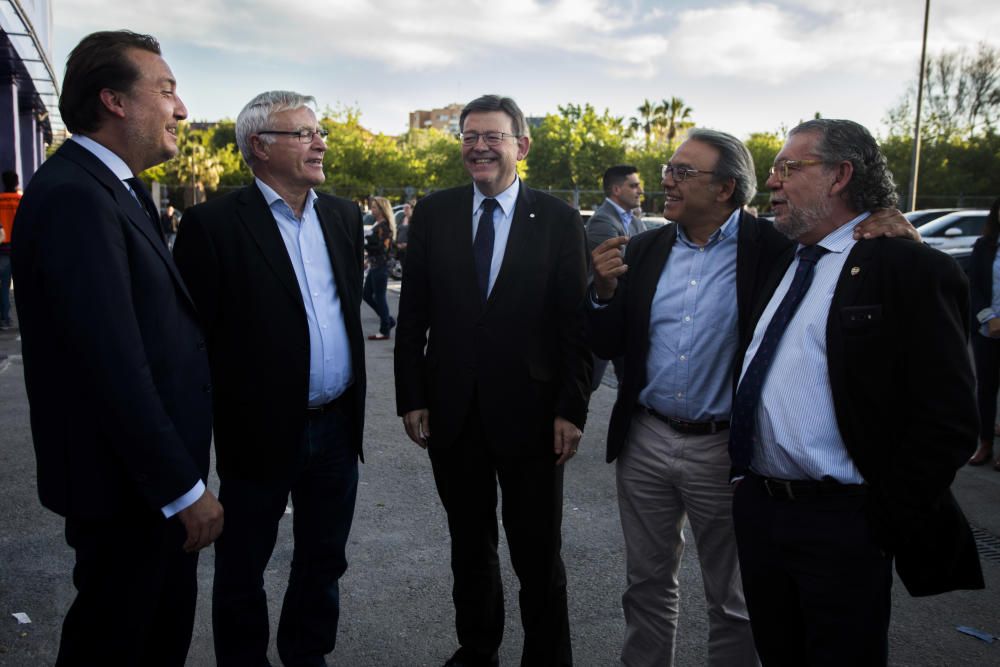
(493, 377)
(275, 270)
(829, 489)
(677, 306)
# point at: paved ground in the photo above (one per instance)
(396, 608)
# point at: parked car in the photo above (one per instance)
(954, 230)
(654, 221)
(924, 215)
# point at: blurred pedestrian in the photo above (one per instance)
(379, 246)
(9, 200)
(984, 286)
(168, 222)
(403, 233)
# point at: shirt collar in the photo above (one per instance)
(272, 197)
(107, 157)
(728, 228)
(626, 216)
(842, 238)
(505, 199)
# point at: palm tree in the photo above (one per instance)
(673, 116)
(646, 120)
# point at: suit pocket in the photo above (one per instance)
(861, 320)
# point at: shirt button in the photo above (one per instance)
(315, 293)
(324, 326)
(694, 282)
(687, 318)
(680, 394)
(701, 249)
(684, 357)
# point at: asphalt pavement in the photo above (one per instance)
(396, 596)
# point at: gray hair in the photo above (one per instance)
(735, 162)
(257, 114)
(488, 103)
(872, 185)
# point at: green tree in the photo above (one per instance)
(763, 147)
(571, 149)
(645, 121)
(673, 116)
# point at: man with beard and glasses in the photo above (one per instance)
(677, 307)
(829, 489)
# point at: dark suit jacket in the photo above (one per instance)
(904, 397)
(623, 326)
(522, 355)
(114, 362)
(981, 275)
(236, 265)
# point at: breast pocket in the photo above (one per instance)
(861, 320)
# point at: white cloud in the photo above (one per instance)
(776, 43)
(399, 34)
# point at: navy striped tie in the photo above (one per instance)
(482, 246)
(741, 428)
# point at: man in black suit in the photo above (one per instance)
(829, 490)
(490, 358)
(114, 362)
(275, 269)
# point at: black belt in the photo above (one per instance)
(326, 407)
(686, 427)
(801, 489)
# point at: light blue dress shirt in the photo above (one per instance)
(623, 215)
(797, 434)
(330, 371)
(693, 329)
(502, 219)
(987, 314)
(118, 167)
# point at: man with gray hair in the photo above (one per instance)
(275, 270)
(830, 489)
(677, 306)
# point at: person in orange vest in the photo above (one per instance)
(9, 199)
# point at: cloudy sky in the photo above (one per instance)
(741, 66)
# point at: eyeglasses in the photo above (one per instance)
(304, 136)
(681, 173)
(782, 169)
(491, 138)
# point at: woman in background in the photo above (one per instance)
(984, 287)
(378, 245)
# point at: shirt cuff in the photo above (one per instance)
(985, 315)
(184, 501)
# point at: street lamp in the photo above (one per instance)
(915, 163)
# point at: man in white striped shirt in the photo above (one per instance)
(846, 433)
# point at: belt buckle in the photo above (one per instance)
(782, 484)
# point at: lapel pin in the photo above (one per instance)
(855, 270)
(531, 215)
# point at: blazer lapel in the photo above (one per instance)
(256, 217)
(525, 239)
(129, 205)
(459, 239)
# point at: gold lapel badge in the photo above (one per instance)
(855, 270)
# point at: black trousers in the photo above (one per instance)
(466, 476)
(136, 593)
(986, 352)
(817, 586)
(323, 484)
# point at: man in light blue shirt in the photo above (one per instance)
(847, 425)
(614, 218)
(275, 269)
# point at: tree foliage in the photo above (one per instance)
(571, 149)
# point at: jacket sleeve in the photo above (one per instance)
(410, 362)
(576, 362)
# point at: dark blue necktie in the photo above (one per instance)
(482, 246)
(146, 200)
(741, 429)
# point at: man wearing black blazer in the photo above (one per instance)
(847, 426)
(275, 269)
(114, 362)
(492, 375)
(676, 307)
